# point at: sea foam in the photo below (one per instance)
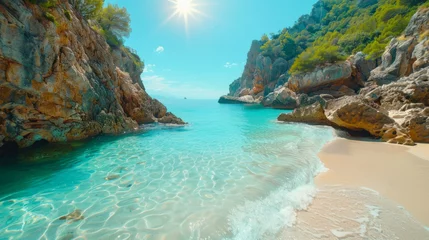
(265, 217)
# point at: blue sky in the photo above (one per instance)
(202, 61)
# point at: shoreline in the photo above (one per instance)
(399, 173)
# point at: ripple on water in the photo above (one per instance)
(231, 174)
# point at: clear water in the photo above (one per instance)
(232, 173)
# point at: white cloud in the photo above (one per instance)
(230, 65)
(155, 83)
(149, 68)
(159, 49)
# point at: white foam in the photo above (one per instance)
(427, 228)
(373, 210)
(370, 190)
(264, 218)
(340, 234)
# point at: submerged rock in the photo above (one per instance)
(76, 215)
(112, 177)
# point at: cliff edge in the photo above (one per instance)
(60, 80)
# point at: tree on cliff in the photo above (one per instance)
(115, 24)
(89, 9)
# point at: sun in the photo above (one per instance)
(185, 9)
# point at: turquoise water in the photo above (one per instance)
(232, 173)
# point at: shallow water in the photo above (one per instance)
(232, 173)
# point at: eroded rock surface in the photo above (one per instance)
(339, 74)
(62, 81)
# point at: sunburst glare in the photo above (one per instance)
(186, 9)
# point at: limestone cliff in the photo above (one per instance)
(60, 80)
(394, 105)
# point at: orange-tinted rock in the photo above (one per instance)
(62, 81)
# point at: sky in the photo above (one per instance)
(201, 60)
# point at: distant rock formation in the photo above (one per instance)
(61, 81)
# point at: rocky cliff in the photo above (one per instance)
(394, 104)
(60, 80)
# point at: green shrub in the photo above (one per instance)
(132, 54)
(315, 56)
(115, 22)
(68, 15)
(411, 2)
(375, 49)
(89, 9)
(390, 11)
(50, 17)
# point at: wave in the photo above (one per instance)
(264, 218)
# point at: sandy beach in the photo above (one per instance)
(400, 173)
(371, 190)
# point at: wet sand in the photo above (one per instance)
(372, 190)
(399, 173)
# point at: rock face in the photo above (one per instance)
(63, 82)
(394, 105)
(339, 74)
(246, 80)
(406, 54)
(397, 62)
(261, 74)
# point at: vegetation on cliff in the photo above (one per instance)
(337, 28)
(111, 21)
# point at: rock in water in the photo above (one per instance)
(238, 100)
(76, 215)
(313, 114)
(112, 177)
(61, 81)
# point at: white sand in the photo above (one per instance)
(400, 173)
(372, 190)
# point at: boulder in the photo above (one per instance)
(281, 98)
(418, 125)
(363, 66)
(312, 114)
(237, 100)
(305, 100)
(171, 119)
(355, 114)
(338, 74)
